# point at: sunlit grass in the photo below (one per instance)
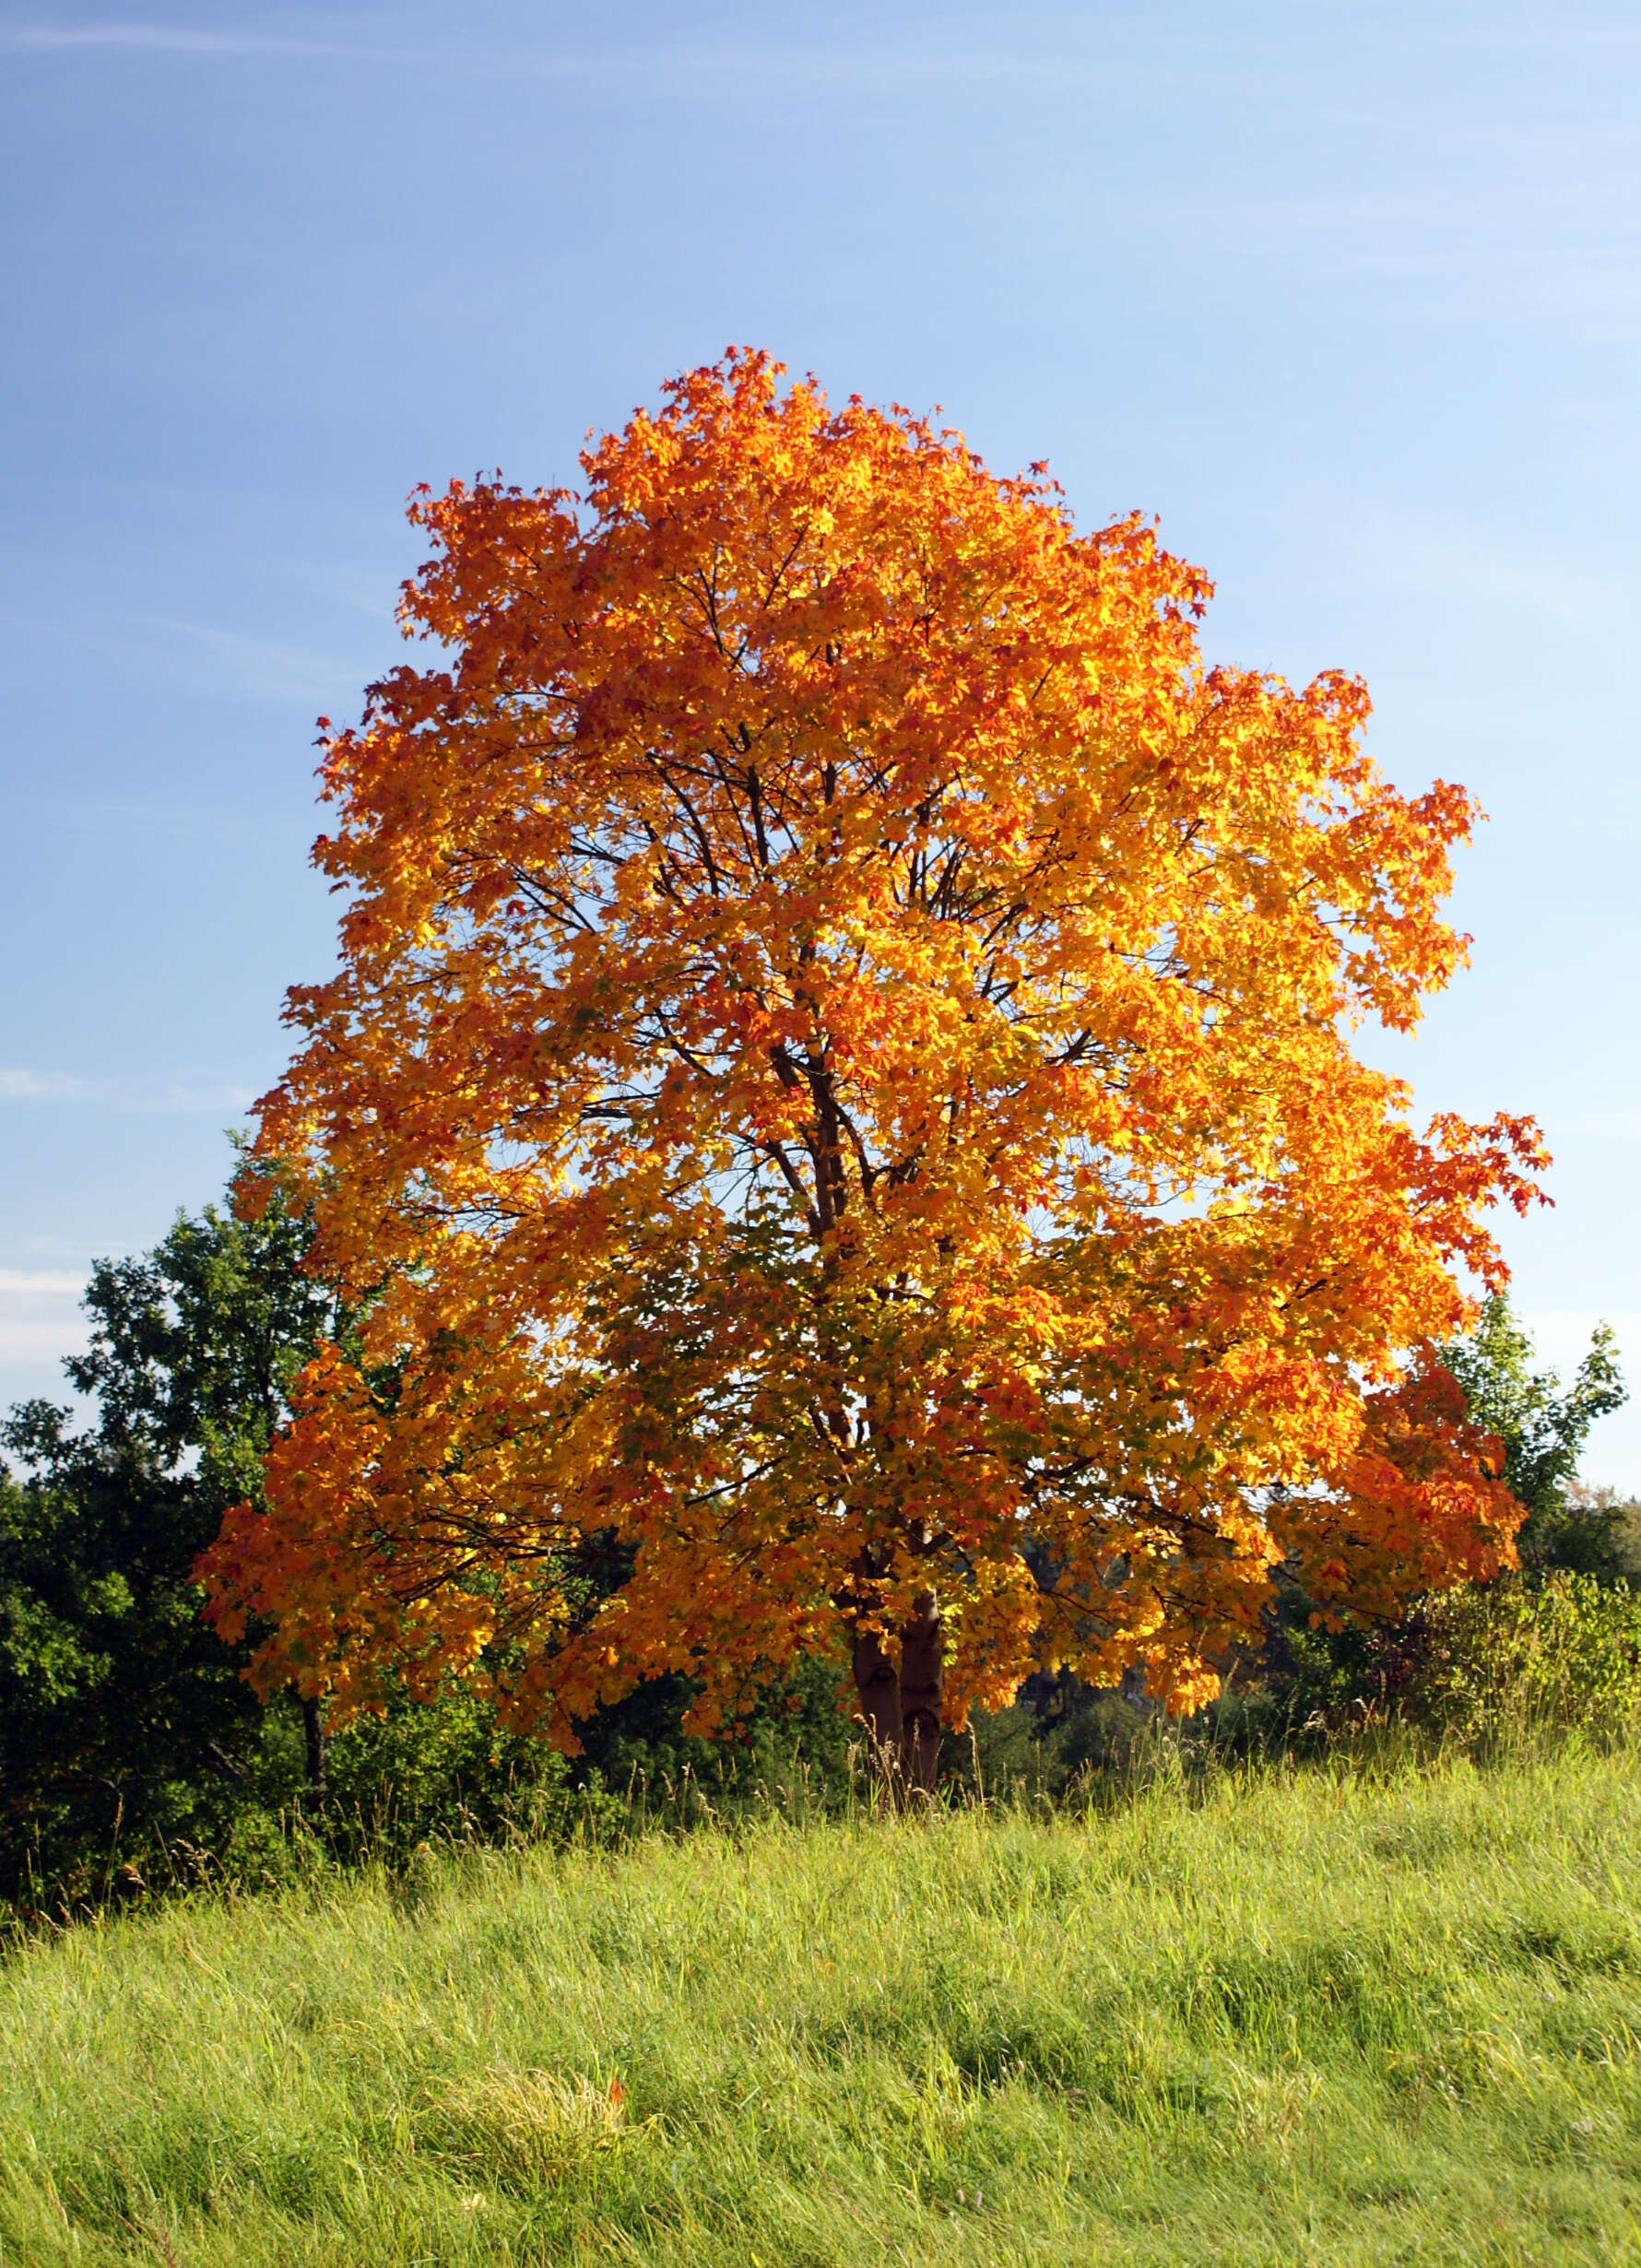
(1301, 2016)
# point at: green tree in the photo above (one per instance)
(1544, 1429)
(122, 1716)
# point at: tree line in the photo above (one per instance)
(134, 1752)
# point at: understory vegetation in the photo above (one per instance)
(1360, 2012)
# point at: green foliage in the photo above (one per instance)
(195, 1347)
(796, 1732)
(1543, 1429)
(1564, 1650)
(1063, 1739)
(1314, 1680)
(132, 1751)
(1600, 1534)
(124, 1725)
(1281, 2017)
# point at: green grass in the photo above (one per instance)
(1303, 2016)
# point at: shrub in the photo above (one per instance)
(1521, 1654)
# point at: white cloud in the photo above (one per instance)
(39, 1317)
(19, 1084)
(164, 40)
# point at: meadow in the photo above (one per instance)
(1351, 2012)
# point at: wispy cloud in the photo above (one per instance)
(200, 655)
(255, 664)
(803, 62)
(19, 1084)
(1448, 552)
(169, 40)
(39, 1320)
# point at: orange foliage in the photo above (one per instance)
(840, 1082)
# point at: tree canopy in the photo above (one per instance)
(841, 1076)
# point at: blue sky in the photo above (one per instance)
(1348, 294)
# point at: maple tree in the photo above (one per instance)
(839, 1089)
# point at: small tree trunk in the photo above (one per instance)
(900, 1703)
(878, 1693)
(314, 1731)
(922, 1691)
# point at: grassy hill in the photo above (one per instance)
(1299, 2017)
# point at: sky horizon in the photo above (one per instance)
(1347, 295)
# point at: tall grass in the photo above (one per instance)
(1344, 2016)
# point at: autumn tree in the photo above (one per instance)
(841, 1059)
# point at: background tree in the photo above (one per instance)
(841, 1064)
(1544, 1428)
(122, 1715)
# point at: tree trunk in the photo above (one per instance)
(313, 1731)
(922, 1691)
(900, 1703)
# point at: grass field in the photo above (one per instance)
(1301, 2017)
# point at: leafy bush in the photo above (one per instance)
(1520, 1654)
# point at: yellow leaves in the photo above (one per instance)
(838, 1049)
